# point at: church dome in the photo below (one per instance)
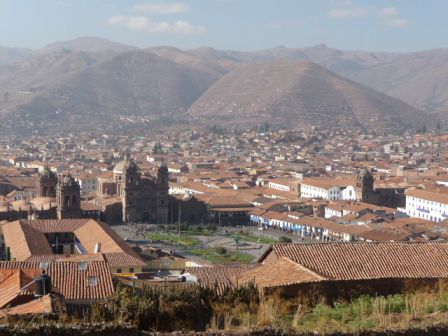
(119, 168)
(68, 181)
(127, 165)
(47, 173)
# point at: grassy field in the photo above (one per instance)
(173, 238)
(222, 256)
(366, 313)
(246, 236)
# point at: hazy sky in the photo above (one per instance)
(390, 25)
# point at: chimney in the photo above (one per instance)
(97, 248)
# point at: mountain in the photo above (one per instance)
(88, 80)
(299, 94)
(418, 78)
(76, 89)
(185, 58)
(10, 55)
(89, 45)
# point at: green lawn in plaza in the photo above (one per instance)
(221, 255)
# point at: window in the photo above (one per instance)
(82, 265)
(131, 270)
(118, 270)
(92, 280)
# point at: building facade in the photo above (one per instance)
(144, 198)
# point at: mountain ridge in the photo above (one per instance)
(51, 83)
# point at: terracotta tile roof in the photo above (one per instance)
(123, 259)
(385, 234)
(42, 305)
(329, 225)
(69, 279)
(73, 283)
(217, 274)
(54, 225)
(73, 258)
(27, 240)
(354, 261)
(10, 287)
(327, 183)
(280, 273)
(428, 195)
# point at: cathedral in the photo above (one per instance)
(376, 194)
(142, 197)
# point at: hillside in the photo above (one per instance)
(299, 93)
(90, 79)
(10, 55)
(418, 78)
(71, 89)
(88, 44)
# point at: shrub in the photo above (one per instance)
(222, 250)
(284, 239)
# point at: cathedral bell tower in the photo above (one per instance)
(68, 197)
(46, 183)
(364, 184)
(129, 192)
(162, 187)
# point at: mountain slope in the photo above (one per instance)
(299, 93)
(10, 55)
(132, 84)
(418, 78)
(88, 44)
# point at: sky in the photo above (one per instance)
(376, 25)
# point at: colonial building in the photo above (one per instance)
(427, 204)
(68, 240)
(330, 189)
(144, 198)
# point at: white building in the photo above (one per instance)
(88, 184)
(282, 184)
(426, 204)
(330, 189)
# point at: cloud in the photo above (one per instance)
(349, 12)
(162, 8)
(145, 25)
(398, 22)
(347, 9)
(388, 12)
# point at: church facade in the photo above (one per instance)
(144, 198)
(132, 196)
